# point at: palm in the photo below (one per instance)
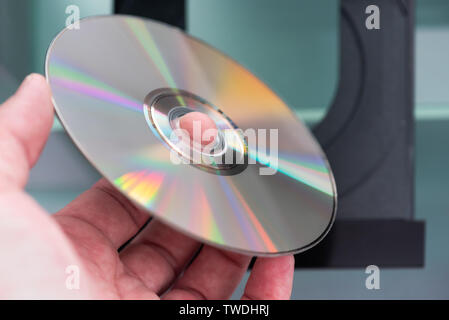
(155, 258)
(37, 248)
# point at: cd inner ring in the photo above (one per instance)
(228, 155)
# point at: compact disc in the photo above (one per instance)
(120, 84)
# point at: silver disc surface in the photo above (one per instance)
(115, 81)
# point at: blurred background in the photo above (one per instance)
(294, 47)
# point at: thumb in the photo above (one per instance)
(25, 123)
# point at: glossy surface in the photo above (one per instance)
(100, 76)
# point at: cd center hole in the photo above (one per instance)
(200, 127)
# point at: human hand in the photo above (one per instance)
(37, 247)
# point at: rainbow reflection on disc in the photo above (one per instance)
(101, 75)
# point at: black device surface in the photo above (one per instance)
(368, 136)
